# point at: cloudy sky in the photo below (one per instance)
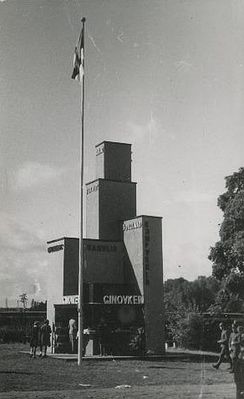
(166, 76)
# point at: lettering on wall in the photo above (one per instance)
(55, 248)
(101, 248)
(100, 150)
(147, 252)
(123, 300)
(70, 299)
(92, 188)
(135, 224)
(108, 300)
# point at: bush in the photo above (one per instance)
(191, 331)
(187, 329)
(137, 344)
(8, 335)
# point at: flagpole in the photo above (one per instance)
(81, 248)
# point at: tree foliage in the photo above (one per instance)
(198, 294)
(23, 299)
(185, 301)
(228, 253)
(38, 305)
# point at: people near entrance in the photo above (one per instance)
(34, 339)
(86, 337)
(234, 345)
(104, 338)
(45, 332)
(224, 345)
(239, 366)
(73, 334)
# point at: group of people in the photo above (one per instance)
(40, 336)
(74, 335)
(232, 346)
(103, 332)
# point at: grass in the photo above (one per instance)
(19, 373)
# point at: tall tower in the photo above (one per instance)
(111, 198)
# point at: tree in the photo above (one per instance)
(33, 303)
(228, 253)
(23, 299)
(191, 330)
(185, 301)
(203, 292)
(38, 305)
(198, 294)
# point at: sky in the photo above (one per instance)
(166, 76)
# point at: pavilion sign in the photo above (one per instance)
(123, 300)
(109, 300)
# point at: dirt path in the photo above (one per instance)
(214, 391)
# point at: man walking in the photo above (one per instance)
(224, 353)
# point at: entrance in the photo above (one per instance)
(115, 325)
(63, 313)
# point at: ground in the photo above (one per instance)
(180, 375)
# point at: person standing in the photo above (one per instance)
(103, 332)
(72, 334)
(239, 368)
(34, 338)
(241, 341)
(234, 346)
(224, 353)
(44, 338)
(86, 338)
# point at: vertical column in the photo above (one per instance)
(153, 284)
(143, 242)
(55, 280)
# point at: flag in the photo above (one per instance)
(78, 61)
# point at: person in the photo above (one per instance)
(86, 337)
(103, 333)
(240, 331)
(234, 346)
(72, 334)
(44, 338)
(239, 367)
(34, 338)
(224, 353)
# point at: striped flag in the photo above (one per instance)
(78, 61)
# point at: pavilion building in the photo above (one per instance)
(123, 264)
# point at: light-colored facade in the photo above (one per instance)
(143, 243)
(123, 267)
